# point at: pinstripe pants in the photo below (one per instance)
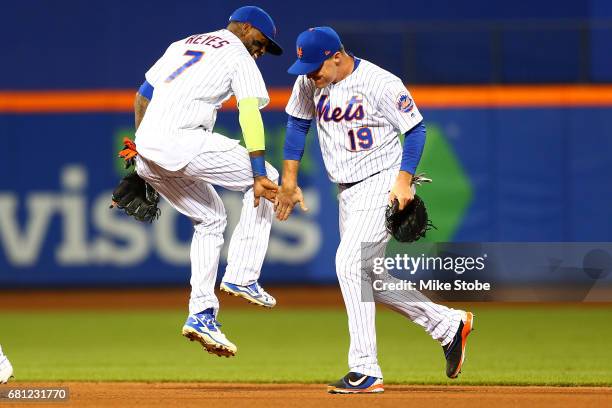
(190, 191)
(362, 226)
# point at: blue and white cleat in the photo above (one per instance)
(204, 328)
(6, 369)
(253, 293)
(356, 383)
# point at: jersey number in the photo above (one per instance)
(195, 57)
(362, 138)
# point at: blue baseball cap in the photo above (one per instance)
(314, 46)
(261, 21)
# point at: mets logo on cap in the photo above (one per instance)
(300, 52)
(404, 102)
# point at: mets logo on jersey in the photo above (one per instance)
(300, 52)
(404, 102)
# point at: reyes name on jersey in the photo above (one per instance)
(358, 120)
(191, 81)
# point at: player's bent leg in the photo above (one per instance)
(247, 250)
(439, 321)
(249, 240)
(450, 327)
(200, 202)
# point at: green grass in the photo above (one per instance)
(566, 346)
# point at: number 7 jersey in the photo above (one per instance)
(191, 81)
(358, 120)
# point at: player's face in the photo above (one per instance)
(326, 74)
(255, 42)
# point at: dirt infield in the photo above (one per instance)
(213, 395)
(228, 395)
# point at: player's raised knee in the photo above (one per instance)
(212, 223)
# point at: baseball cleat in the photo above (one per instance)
(253, 293)
(204, 328)
(455, 350)
(6, 369)
(356, 383)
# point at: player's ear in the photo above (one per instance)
(246, 28)
(337, 57)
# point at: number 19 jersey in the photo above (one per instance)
(358, 120)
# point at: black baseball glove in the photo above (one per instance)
(137, 198)
(409, 224)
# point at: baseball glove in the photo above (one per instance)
(137, 198)
(409, 224)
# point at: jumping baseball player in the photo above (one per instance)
(6, 369)
(182, 158)
(359, 108)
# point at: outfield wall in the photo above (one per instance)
(509, 164)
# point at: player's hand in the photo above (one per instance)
(264, 187)
(402, 190)
(286, 199)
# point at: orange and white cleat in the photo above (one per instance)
(455, 350)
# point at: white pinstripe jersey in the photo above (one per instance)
(191, 81)
(358, 120)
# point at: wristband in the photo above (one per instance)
(258, 164)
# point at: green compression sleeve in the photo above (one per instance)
(251, 124)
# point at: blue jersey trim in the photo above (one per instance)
(146, 90)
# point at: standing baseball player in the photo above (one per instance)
(182, 158)
(359, 108)
(6, 369)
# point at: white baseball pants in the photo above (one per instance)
(190, 191)
(362, 222)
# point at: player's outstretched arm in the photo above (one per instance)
(289, 193)
(295, 142)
